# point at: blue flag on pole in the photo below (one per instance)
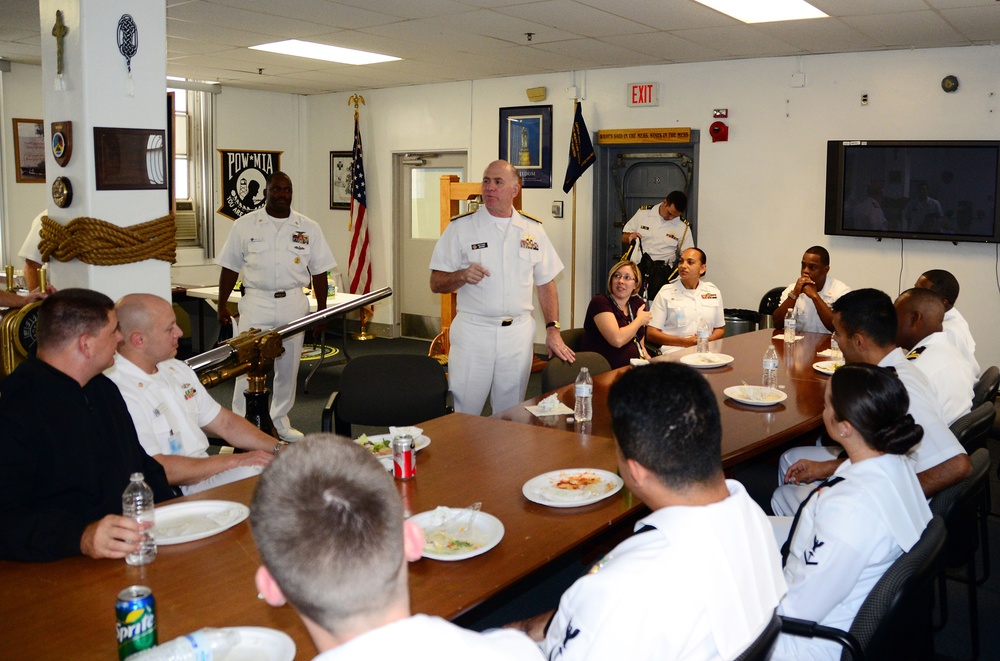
(581, 150)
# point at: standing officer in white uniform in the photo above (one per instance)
(280, 251)
(493, 258)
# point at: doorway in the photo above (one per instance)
(416, 188)
(629, 177)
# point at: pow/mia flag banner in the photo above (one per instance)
(244, 178)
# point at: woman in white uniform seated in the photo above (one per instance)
(680, 305)
(855, 525)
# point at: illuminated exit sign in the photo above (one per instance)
(643, 94)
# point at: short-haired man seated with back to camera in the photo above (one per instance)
(328, 523)
(701, 576)
(170, 407)
(68, 442)
(812, 294)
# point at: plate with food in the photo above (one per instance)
(380, 445)
(452, 533)
(572, 487)
(261, 644)
(828, 366)
(706, 360)
(755, 395)
(196, 519)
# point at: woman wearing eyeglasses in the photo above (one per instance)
(615, 326)
(680, 305)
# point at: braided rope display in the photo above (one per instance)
(98, 242)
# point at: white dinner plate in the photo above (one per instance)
(542, 489)
(706, 360)
(827, 366)
(261, 644)
(486, 532)
(419, 444)
(755, 395)
(196, 519)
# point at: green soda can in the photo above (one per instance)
(135, 615)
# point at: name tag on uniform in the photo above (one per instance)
(528, 242)
(256, 239)
(479, 246)
(300, 237)
(644, 227)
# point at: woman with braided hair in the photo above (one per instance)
(856, 524)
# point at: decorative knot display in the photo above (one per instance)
(98, 242)
(128, 39)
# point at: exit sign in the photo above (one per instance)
(642, 94)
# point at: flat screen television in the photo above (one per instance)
(913, 189)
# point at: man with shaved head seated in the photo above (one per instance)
(920, 313)
(170, 407)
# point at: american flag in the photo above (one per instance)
(359, 270)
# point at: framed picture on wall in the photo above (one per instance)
(526, 143)
(29, 151)
(340, 179)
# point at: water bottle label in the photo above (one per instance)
(703, 334)
(584, 390)
(770, 364)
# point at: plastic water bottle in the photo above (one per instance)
(201, 645)
(770, 379)
(790, 325)
(835, 349)
(583, 409)
(702, 334)
(137, 504)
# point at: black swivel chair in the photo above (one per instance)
(986, 387)
(769, 302)
(973, 429)
(384, 390)
(894, 621)
(559, 373)
(762, 648)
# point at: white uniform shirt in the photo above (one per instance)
(702, 585)
(426, 638)
(516, 251)
(660, 237)
(957, 330)
(938, 444)
(276, 254)
(806, 318)
(29, 249)
(677, 310)
(847, 536)
(938, 359)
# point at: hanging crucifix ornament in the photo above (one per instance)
(59, 31)
(128, 46)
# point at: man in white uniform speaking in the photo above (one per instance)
(280, 251)
(493, 258)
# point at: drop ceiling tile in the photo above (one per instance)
(574, 17)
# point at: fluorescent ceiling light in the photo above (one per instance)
(324, 52)
(766, 11)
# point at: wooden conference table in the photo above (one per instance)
(746, 430)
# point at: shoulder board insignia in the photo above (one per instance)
(462, 215)
(530, 217)
(646, 207)
(913, 355)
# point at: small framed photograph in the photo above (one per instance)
(29, 151)
(526, 143)
(130, 159)
(340, 179)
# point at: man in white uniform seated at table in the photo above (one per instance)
(812, 294)
(328, 523)
(170, 407)
(701, 577)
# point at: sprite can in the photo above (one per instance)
(135, 614)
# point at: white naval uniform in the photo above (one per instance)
(660, 238)
(702, 585)
(169, 408)
(942, 364)
(957, 330)
(487, 357)
(847, 536)
(677, 310)
(806, 318)
(29, 249)
(937, 446)
(275, 255)
(427, 638)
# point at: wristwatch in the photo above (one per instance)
(553, 324)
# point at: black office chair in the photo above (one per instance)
(973, 429)
(573, 337)
(559, 373)
(986, 387)
(960, 506)
(769, 302)
(762, 648)
(387, 389)
(894, 621)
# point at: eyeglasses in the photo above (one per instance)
(623, 276)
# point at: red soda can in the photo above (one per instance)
(404, 457)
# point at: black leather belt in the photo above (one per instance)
(507, 322)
